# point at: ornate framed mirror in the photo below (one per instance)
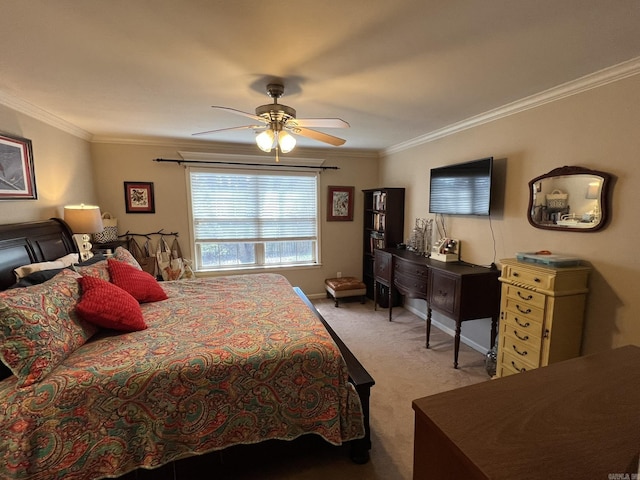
(569, 198)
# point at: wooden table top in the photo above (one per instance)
(574, 419)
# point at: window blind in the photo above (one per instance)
(254, 206)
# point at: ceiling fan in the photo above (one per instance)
(278, 122)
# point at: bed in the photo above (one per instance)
(220, 362)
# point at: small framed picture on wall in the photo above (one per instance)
(138, 197)
(340, 204)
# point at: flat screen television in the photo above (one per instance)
(462, 189)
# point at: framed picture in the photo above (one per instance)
(17, 180)
(340, 204)
(138, 197)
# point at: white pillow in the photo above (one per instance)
(61, 262)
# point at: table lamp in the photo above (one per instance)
(83, 220)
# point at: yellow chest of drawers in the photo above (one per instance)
(541, 315)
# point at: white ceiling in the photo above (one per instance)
(394, 69)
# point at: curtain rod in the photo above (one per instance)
(242, 163)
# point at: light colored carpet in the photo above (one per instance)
(394, 353)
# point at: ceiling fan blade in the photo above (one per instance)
(322, 137)
(243, 127)
(240, 112)
(318, 122)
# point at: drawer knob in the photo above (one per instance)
(522, 354)
(524, 297)
(537, 280)
(521, 370)
(516, 274)
(523, 325)
(523, 338)
(442, 294)
(526, 311)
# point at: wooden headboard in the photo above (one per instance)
(32, 242)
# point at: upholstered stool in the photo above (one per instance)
(345, 287)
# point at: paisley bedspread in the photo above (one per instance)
(225, 361)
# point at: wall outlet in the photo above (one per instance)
(339, 274)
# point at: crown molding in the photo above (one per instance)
(27, 108)
(588, 82)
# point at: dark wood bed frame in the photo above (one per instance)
(46, 240)
(32, 242)
(359, 377)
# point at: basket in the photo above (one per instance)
(110, 232)
(557, 199)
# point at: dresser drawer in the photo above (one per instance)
(527, 332)
(407, 268)
(382, 266)
(509, 366)
(522, 294)
(523, 325)
(515, 362)
(525, 310)
(411, 284)
(528, 351)
(503, 370)
(534, 278)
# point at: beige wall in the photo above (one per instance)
(597, 129)
(62, 166)
(341, 241)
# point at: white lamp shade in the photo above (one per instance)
(265, 140)
(83, 218)
(286, 141)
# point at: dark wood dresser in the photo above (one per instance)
(458, 290)
(574, 419)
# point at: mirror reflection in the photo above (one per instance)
(569, 198)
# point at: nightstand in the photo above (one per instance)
(103, 248)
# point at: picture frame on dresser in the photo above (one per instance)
(17, 177)
(139, 197)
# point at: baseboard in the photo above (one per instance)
(475, 345)
(316, 296)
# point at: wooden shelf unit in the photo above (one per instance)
(383, 228)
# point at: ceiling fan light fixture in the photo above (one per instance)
(276, 117)
(265, 140)
(286, 141)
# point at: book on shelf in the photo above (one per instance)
(379, 200)
(379, 221)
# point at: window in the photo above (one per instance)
(248, 219)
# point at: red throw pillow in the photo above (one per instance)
(106, 305)
(140, 285)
